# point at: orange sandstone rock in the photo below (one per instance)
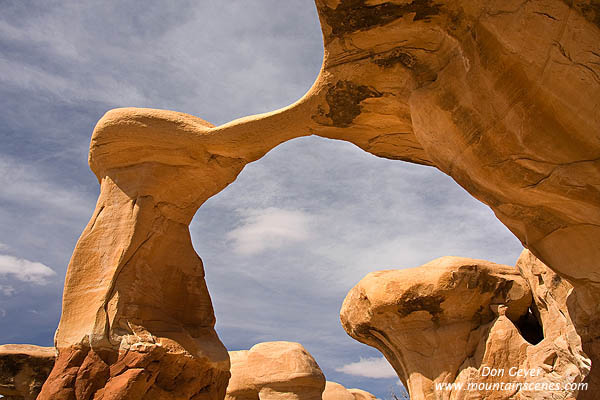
(335, 391)
(275, 371)
(360, 394)
(456, 328)
(23, 370)
(503, 96)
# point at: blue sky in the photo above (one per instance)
(284, 243)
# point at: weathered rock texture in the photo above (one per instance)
(569, 319)
(23, 370)
(137, 318)
(447, 321)
(275, 371)
(502, 95)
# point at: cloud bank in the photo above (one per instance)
(24, 270)
(373, 367)
(269, 228)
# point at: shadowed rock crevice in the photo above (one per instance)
(530, 329)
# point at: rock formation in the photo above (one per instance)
(484, 326)
(23, 370)
(503, 96)
(568, 317)
(335, 391)
(360, 394)
(275, 371)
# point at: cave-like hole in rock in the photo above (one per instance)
(285, 242)
(530, 328)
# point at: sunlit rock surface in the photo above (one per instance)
(457, 327)
(503, 96)
(275, 371)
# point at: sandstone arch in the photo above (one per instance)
(458, 85)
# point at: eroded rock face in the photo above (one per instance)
(275, 371)
(504, 96)
(570, 330)
(23, 370)
(472, 323)
(137, 318)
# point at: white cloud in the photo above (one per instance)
(372, 367)
(269, 228)
(4, 247)
(25, 270)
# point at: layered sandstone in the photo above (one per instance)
(137, 318)
(23, 370)
(503, 96)
(471, 322)
(275, 371)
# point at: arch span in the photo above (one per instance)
(457, 85)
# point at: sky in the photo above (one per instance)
(284, 243)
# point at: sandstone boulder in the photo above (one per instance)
(360, 394)
(275, 371)
(464, 322)
(23, 370)
(335, 391)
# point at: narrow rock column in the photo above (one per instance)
(137, 317)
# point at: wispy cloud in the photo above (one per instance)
(25, 270)
(24, 184)
(373, 367)
(268, 229)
